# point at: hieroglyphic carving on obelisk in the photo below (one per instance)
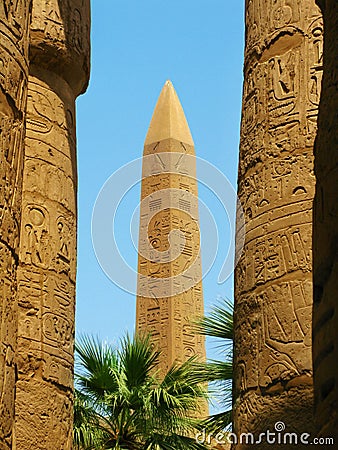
(14, 25)
(59, 70)
(325, 236)
(169, 283)
(273, 280)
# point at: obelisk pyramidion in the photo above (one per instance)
(169, 294)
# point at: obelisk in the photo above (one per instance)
(58, 73)
(169, 282)
(273, 280)
(14, 31)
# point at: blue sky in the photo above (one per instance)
(136, 47)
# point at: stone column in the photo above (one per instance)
(273, 280)
(325, 236)
(59, 70)
(14, 23)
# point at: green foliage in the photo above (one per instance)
(86, 433)
(122, 401)
(218, 324)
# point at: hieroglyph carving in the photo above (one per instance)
(46, 284)
(325, 223)
(59, 51)
(14, 20)
(169, 285)
(169, 267)
(273, 301)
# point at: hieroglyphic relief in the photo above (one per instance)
(283, 66)
(161, 276)
(169, 282)
(46, 276)
(315, 60)
(60, 32)
(282, 85)
(14, 20)
(8, 332)
(274, 184)
(325, 223)
(47, 270)
(280, 333)
(315, 74)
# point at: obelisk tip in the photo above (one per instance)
(168, 119)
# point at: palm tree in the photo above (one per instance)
(123, 402)
(86, 432)
(218, 324)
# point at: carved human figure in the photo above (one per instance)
(58, 74)
(325, 229)
(276, 187)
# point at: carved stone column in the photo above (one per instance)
(59, 70)
(325, 236)
(14, 23)
(273, 280)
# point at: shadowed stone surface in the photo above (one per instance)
(325, 237)
(14, 28)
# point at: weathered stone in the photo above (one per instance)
(46, 419)
(273, 280)
(14, 28)
(325, 236)
(58, 72)
(59, 40)
(169, 283)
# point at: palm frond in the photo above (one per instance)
(217, 422)
(96, 361)
(219, 323)
(87, 434)
(211, 371)
(133, 407)
(137, 359)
